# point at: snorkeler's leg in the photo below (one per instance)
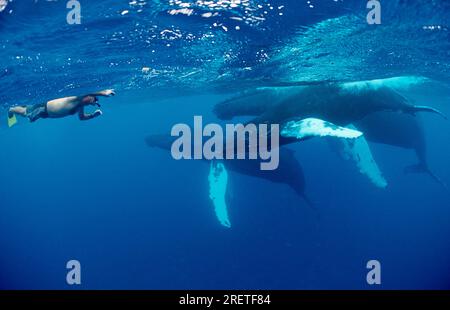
(17, 110)
(37, 113)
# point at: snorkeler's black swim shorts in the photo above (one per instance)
(36, 111)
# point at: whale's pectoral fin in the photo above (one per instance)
(312, 127)
(424, 108)
(358, 151)
(218, 180)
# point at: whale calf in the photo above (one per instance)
(289, 171)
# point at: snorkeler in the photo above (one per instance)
(58, 108)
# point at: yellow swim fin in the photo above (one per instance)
(12, 121)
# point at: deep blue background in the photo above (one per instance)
(137, 219)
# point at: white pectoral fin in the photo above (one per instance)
(314, 127)
(359, 152)
(218, 180)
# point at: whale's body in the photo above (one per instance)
(375, 108)
(289, 171)
(396, 129)
(338, 103)
(400, 130)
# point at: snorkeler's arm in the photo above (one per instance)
(104, 93)
(79, 99)
(86, 116)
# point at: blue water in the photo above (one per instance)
(137, 219)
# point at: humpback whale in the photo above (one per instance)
(289, 171)
(341, 104)
(259, 100)
(355, 103)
